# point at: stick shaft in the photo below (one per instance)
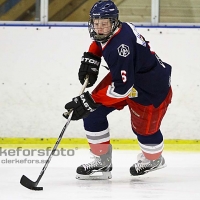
(61, 135)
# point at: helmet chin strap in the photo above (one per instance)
(102, 38)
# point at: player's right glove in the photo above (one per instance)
(82, 106)
(90, 64)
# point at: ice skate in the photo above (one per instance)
(144, 165)
(99, 169)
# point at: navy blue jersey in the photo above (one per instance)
(136, 72)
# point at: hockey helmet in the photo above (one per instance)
(103, 10)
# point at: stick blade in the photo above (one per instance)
(26, 182)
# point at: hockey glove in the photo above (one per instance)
(90, 64)
(82, 106)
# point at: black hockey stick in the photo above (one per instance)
(26, 182)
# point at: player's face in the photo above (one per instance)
(102, 26)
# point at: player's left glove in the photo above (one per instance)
(90, 64)
(82, 106)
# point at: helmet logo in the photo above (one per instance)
(96, 14)
(123, 50)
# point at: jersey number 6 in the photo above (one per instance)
(123, 74)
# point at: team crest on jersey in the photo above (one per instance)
(123, 50)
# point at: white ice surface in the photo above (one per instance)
(180, 180)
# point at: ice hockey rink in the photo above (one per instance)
(34, 92)
(180, 180)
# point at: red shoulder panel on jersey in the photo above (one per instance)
(95, 49)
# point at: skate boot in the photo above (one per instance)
(144, 165)
(99, 169)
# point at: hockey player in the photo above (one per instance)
(137, 78)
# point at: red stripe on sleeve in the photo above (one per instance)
(95, 49)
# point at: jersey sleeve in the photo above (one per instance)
(118, 84)
(95, 49)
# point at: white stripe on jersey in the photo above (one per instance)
(140, 39)
(110, 92)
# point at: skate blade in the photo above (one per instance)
(95, 176)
